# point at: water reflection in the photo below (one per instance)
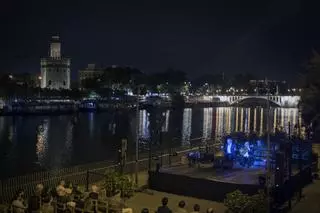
(165, 125)
(144, 124)
(42, 142)
(62, 142)
(69, 137)
(186, 126)
(240, 120)
(207, 123)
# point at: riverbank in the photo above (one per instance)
(56, 109)
(84, 174)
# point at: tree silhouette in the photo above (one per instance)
(310, 99)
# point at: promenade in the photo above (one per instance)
(310, 202)
(152, 199)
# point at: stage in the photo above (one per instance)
(206, 182)
(236, 175)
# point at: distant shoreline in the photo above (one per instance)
(73, 108)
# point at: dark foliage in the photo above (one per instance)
(310, 99)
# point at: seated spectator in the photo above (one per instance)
(145, 210)
(129, 210)
(93, 198)
(47, 207)
(63, 193)
(39, 190)
(68, 189)
(164, 208)
(63, 199)
(18, 205)
(20, 195)
(196, 208)
(61, 190)
(94, 193)
(181, 207)
(77, 194)
(210, 210)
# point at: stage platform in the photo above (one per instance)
(236, 175)
(206, 182)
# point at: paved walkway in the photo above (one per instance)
(152, 201)
(311, 201)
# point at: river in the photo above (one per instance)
(34, 143)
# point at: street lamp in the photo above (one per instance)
(137, 138)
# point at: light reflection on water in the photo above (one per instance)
(144, 124)
(42, 142)
(94, 137)
(251, 120)
(186, 126)
(165, 126)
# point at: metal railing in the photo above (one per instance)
(78, 174)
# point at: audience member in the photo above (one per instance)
(210, 210)
(181, 207)
(61, 190)
(94, 192)
(145, 210)
(20, 195)
(196, 208)
(39, 190)
(18, 204)
(93, 198)
(46, 205)
(77, 193)
(164, 208)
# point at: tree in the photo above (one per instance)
(169, 81)
(115, 183)
(237, 202)
(310, 98)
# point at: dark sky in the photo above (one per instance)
(267, 37)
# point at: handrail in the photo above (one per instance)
(77, 174)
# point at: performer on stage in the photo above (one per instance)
(246, 153)
(247, 149)
(229, 149)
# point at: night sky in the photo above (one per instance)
(270, 38)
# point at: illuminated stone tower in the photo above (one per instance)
(55, 69)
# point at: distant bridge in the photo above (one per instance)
(279, 100)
